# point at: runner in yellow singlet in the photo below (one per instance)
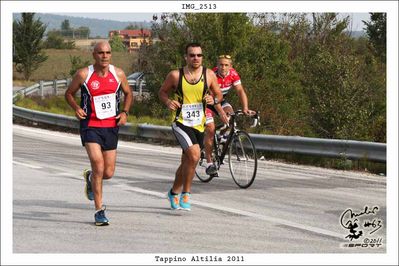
(190, 86)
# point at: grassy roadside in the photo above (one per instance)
(58, 65)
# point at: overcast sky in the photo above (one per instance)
(355, 17)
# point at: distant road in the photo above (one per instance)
(289, 208)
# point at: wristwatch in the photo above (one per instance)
(215, 101)
(126, 113)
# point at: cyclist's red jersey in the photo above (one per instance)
(226, 83)
(100, 99)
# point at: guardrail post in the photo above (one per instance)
(41, 85)
(140, 87)
(55, 87)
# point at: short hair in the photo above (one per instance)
(96, 45)
(192, 44)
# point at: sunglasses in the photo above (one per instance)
(195, 55)
(104, 52)
(225, 56)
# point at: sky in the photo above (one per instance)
(356, 18)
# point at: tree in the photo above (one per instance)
(65, 25)
(306, 76)
(28, 45)
(56, 41)
(376, 30)
(343, 102)
(82, 32)
(77, 63)
(117, 44)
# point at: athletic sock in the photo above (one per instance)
(173, 193)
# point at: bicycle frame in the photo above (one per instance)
(221, 154)
(233, 130)
(239, 139)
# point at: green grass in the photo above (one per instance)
(58, 64)
(51, 104)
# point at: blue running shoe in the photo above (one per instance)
(174, 201)
(88, 190)
(185, 201)
(100, 218)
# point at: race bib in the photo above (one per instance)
(105, 105)
(192, 114)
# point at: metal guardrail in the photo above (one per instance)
(57, 87)
(335, 148)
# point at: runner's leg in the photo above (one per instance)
(97, 166)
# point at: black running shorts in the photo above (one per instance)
(187, 136)
(106, 137)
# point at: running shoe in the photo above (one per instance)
(88, 190)
(174, 201)
(100, 218)
(185, 201)
(211, 170)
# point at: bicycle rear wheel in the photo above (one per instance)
(243, 162)
(201, 167)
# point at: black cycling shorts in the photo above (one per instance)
(106, 137)
(187, 136)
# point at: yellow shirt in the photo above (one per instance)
(190, 96)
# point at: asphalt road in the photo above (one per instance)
(288, 209)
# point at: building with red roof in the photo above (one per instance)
(133, 39)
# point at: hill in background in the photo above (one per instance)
(101, 27)
(98, 27)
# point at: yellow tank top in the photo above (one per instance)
(190, 96)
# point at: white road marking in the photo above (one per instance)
(244, 213)
(27, 165)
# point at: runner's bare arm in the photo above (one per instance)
(122, 116)
(167, 87)
(73, 87)
(217, 93)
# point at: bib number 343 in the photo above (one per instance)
(105, 105)
(192, 114)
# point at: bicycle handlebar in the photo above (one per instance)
(239, 112)
(255, 116)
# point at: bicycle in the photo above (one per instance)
(243, 162)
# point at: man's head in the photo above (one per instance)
(193, 55)
(224, 64)
(102, 54)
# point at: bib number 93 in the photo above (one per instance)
(105, 105)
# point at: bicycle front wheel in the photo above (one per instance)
(243, 162)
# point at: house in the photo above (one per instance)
(133, 39)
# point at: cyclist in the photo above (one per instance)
(227, 78)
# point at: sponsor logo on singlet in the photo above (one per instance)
(95, 84)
